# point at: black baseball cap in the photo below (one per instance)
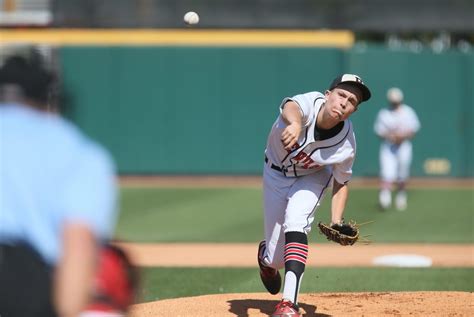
(354, 80)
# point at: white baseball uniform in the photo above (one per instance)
(395, 160)
(294, 181)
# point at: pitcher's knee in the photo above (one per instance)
(304, 227)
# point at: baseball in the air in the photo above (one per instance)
(191, 18)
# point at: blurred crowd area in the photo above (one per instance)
(415, 25)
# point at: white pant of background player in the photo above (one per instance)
(395, 162)
(290, 204)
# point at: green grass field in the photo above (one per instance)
(161, 283)
(235, 215)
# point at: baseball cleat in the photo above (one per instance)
(270, 277)
(401, 201)
(285, 308)
(385, 199)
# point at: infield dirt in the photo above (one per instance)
(328, 255)
(321, 305)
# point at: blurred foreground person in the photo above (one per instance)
(396, 126)
(57, 199)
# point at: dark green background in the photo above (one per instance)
(208, 110)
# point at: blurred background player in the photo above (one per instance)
(57, 198)
(311, 146)
(396, 125)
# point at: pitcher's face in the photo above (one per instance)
(342, 101)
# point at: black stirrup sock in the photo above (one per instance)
(296, 253)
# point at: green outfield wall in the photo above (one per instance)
(207, 110)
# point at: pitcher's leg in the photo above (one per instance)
(305, 197)
(275, 199)
(296, 253)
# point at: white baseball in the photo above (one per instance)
(191, 18)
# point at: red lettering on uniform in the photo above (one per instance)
(306, 160)
(314, 166)
(299, 156)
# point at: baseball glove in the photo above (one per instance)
(342, 233)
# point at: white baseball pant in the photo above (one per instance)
(289, 204)
(395, 161)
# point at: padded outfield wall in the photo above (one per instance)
(207, 110)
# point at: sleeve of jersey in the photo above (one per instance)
(90, 194)
(306, 103)
(342, 171)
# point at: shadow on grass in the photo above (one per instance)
(241, 307)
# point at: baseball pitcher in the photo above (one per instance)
(311, 146)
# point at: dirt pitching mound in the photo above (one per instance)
(320, 304)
